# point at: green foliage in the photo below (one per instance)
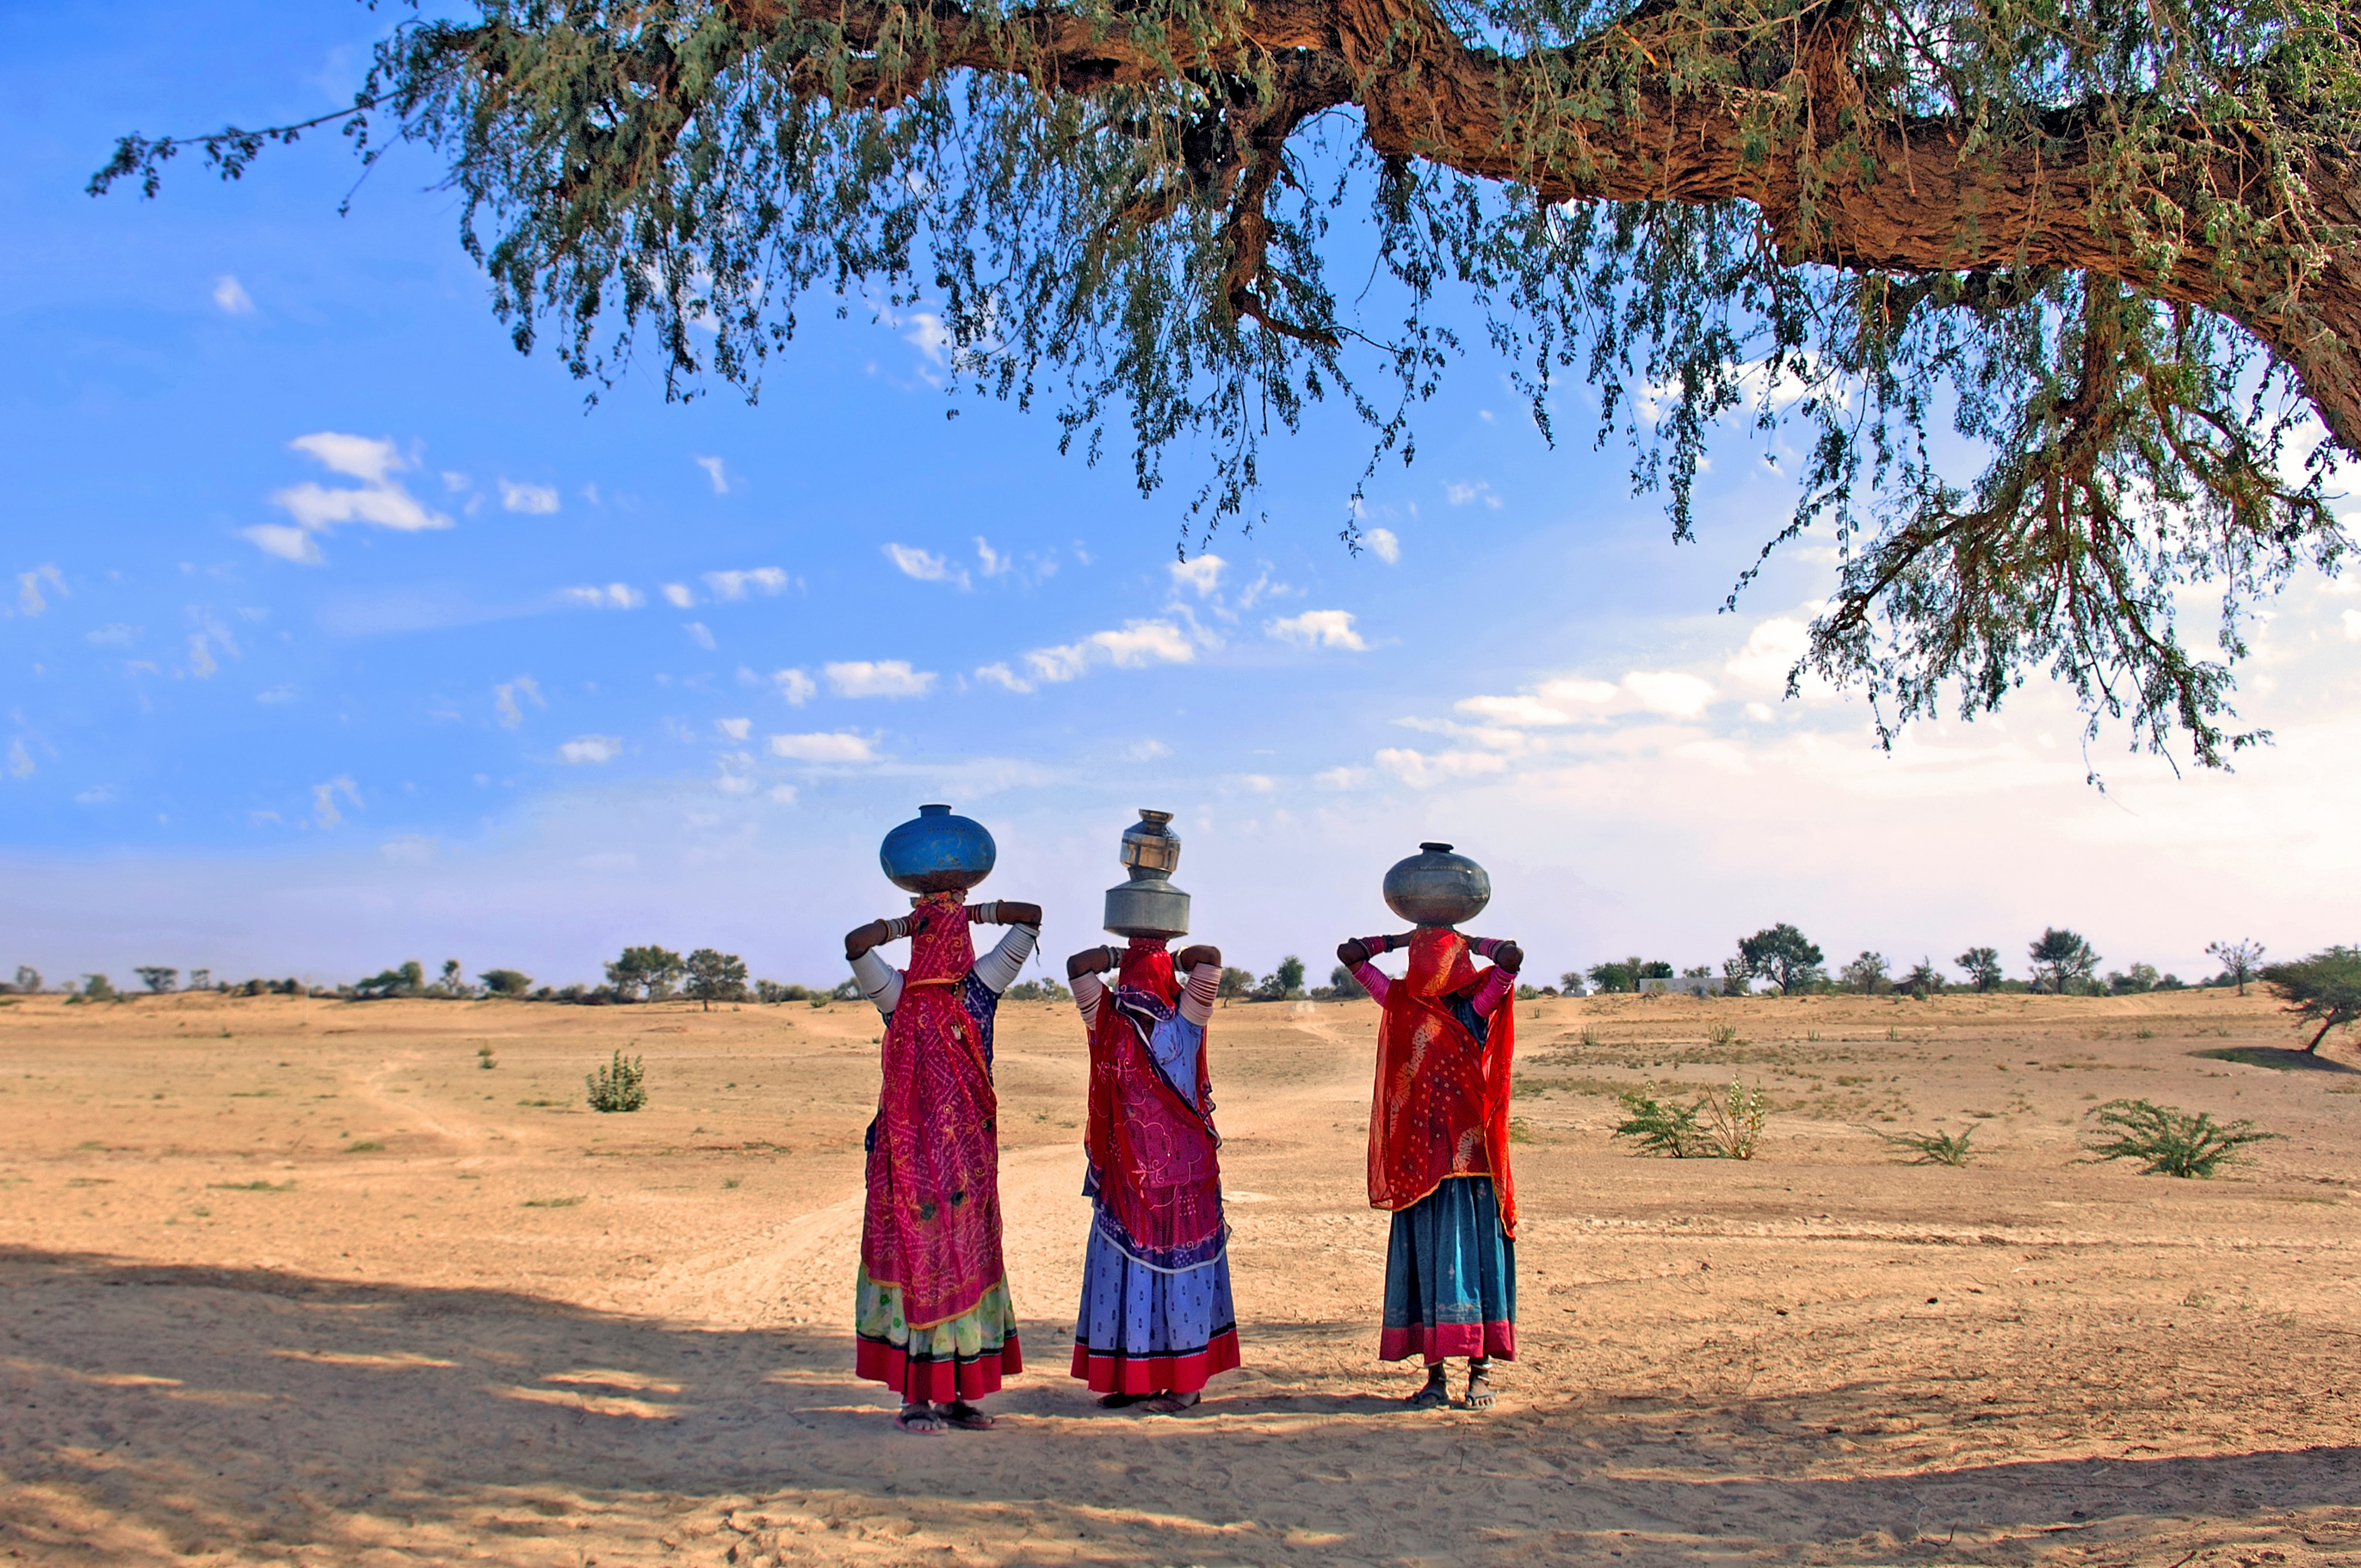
(1661, 1128)
(1782, 955)
(1236, 983)
(98, 988)
(1615, 977)
(505, 981)
(1922, 980)
(620, 1086)
(1570, 983)
(1345, 987)
(2138, 981)
(1933, 1148)
(156, 978)
(486, 1058)
(771, 991)
(2062, 960)
(1983, 965)
(409, 980)
(2107, 246)
(2326, 986)
(1721, 1037)
(714, 977)
(1284, 983)
(647, 971)
(28, 980)
(2168, 1141)
(2239, 960)
(1866, 974)
(1037, 991)
(1724, 1124)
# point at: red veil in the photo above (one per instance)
(1441, 1108)
(932, 1223)
(1151, 1147)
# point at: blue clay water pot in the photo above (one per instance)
(936, 852)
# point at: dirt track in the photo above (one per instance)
(298, 1283)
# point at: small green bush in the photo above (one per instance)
(2167, 1139)
(1660, 1128)
(1933, 1148)
(620, 1086)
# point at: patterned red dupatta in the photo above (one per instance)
(1441, 1105)
(1151, 1148)
(932, 1223)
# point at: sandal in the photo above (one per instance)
(964, 1416)
(1431, 1395)
(1171, 1404)
(923, 1420)
(1123, 1401)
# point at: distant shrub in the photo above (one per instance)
(1037, 990)
(1236, 983)
(771, 991)
(715, 976)
(409, 980)
(158, 977)
(620, 1086)
(505, 981)
(98, 988)
(1933, 1148)
(2167, 1140)
(1722, 1036)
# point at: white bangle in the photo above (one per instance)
(987, 913)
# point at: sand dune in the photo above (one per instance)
(302, 1285)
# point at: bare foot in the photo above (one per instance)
(921, 1419)
(1171, 1404)
(1479, 1392)
(964, 1416)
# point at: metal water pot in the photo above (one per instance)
(1435, 887)
(936, 852)
(1149, 905)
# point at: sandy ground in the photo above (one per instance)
(291, 1282)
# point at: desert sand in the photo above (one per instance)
(288, 1281)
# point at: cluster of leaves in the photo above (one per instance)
(1724, 1124)
(618, 1086)
(1933, 1148)
(2166, 1140)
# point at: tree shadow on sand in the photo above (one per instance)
(150, 1412)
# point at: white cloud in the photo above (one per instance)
(1319, 628)
(275, 694)
(735, 728)
(287, 544)
(994, 563)
(614, 595)
(591, 749)
(200, 657)
(324, 800)
(1135, 644)
(1770, 650)
(784, 793)
(734, 585)
(97, 794)
(929, 334)
(677, 596)
(380, 499)
(1342, 778)
(1001, 676)
(1382, 544)
(231, 296)
(504, 703)
(532, 498)
(1203, 574)
(410, 850)
(115, 636)
(1577, 701)
(882, 677)
(717, 471)
(20, 760)
(1460, 495)
(1146, 751)
(925, 565)
(2353, 625)
(699, 634)
(1422, 772)
(28, 588)
(793, 685)
(834, 747)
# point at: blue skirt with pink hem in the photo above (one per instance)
(1450, 1277)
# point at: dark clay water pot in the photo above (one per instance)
(1435, 887)
(936, 852)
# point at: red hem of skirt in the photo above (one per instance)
(931, 1382)
(1436, 1341)
(1114, 1372)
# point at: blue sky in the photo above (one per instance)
(336, 632)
